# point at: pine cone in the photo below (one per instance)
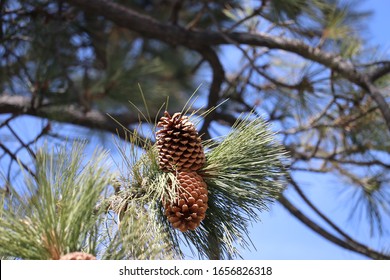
(79, 256)
(189, 209)
(179, 145)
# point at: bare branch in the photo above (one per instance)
(316, 210)
(15, 158)
(72, 114)
(218, 77)
(380, 71)
(23, 145)
(347, 244)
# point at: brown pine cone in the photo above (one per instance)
(189, 209)
(78, 256)
(179, 145)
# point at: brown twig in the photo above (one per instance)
(346, 244)
(218, 77)
(72, 114)
(15, 158)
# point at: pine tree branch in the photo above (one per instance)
(317, 211)
(66, 113)
(197, 39)
(346, 244)
(380, 71)
(377, 95)
(218, 78)
(200, 41)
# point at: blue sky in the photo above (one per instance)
(379, 23)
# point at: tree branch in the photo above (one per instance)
(380, 71)
(16, 159)
(348, 244)
(317, 211)
(197, 39)
(72, 114)
(218, 77)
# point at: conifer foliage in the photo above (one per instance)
(57, 214)
(242, 172)
(72, 208)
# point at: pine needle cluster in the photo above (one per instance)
(51, 215)
(75, 205)
(57, 212)
(243, 172)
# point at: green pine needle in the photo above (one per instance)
(139, 237)
(54, 217)
(244, 173)
(62, 211)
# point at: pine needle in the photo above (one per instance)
(54, 216)
(244, 175)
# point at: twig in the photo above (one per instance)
(218, 77)
(15, 158)
(316, 210)
(71, 113)
(45, 130)
(176, 7)
(352, 246)
(248, 17)
(25, 146)
(5, 122)
(380, 71)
